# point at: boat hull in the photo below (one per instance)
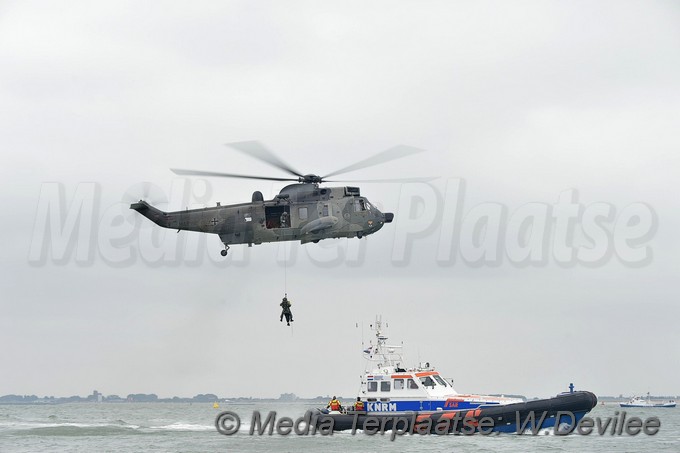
(509, 418)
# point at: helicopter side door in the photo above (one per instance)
(279, 220)
(277, 216)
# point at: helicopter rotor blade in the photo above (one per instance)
(181, 172)
(396, 152)
(389, 180)
(257, 150)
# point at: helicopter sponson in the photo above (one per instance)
(319, 224)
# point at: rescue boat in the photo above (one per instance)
(389, 389)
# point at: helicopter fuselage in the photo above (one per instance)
(304, 212)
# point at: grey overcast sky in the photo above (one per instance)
(516, 104)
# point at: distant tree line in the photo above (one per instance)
(146, 398)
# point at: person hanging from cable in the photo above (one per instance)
(285, 310)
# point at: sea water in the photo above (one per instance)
(190, 427)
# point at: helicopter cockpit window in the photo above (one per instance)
(368, 206)
(302, 213)
(359, 205)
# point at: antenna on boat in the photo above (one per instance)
(356, 325)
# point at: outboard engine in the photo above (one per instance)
(257, 196)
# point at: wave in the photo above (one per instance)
(178, 426)
(76, 430)
(114, 427)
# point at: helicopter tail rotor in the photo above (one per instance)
(146, 191)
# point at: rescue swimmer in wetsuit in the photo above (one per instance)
(285, 310)
(334, 405)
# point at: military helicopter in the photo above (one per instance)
(301, 211)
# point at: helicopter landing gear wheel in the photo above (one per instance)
(224, 252)
(360, 235)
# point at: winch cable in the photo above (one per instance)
(285, 269)
(285, 277)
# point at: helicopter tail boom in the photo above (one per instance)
(154, 214)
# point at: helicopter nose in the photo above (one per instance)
(389, 217)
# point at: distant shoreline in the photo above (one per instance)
(40, 402)
(210, 398)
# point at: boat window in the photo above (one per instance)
(439, 380)
(372, 386)
(398, 384)
(412, 384)
(427, 381)
(302, 213)
(385, 386)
